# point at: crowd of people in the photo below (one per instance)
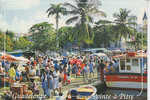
(56, 72)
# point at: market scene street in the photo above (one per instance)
(73, 50)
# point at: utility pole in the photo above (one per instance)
(2, 12)
(148, 42)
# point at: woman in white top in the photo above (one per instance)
(56, 80)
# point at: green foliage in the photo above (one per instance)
(84, 33)
(22, 43)
(57, 10)
(65, 35)
(10, 33)
(125, 23)
(8, 42)
(140, 41)
(81, 34)
(104, 34)
(82, 12)
(43, 37)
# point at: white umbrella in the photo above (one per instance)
(22, 59)
(99, 54)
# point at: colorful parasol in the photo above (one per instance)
(8, 57)
(22, 59)
(75, 61)
(12, 58)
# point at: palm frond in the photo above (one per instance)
(132, 23)
(71, 20)
(132, 18)
(51, 13)
(56, 9)
(94, 10)
(70, 6)
(72, 12)
(49, 9)
(104, 22)
(63, 11)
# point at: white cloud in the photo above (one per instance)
(3, 25)
(41, 16)
(20, 4)
(140, 15)
(22, 25)
(19, 25)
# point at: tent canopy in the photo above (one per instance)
(11, 58)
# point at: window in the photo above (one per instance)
(128, 67)
(122, 64)
(135, 62)
(128, 60)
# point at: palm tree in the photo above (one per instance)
(56, 10)
(125, 24)
(104, 33)
(82, 13)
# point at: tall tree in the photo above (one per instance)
(66, 36)
(124, 23)
(104, 33)
(57, 10)
(82, 13)
(43, 37)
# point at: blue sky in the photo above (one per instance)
(20, 15)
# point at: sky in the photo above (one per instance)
(20, 15)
